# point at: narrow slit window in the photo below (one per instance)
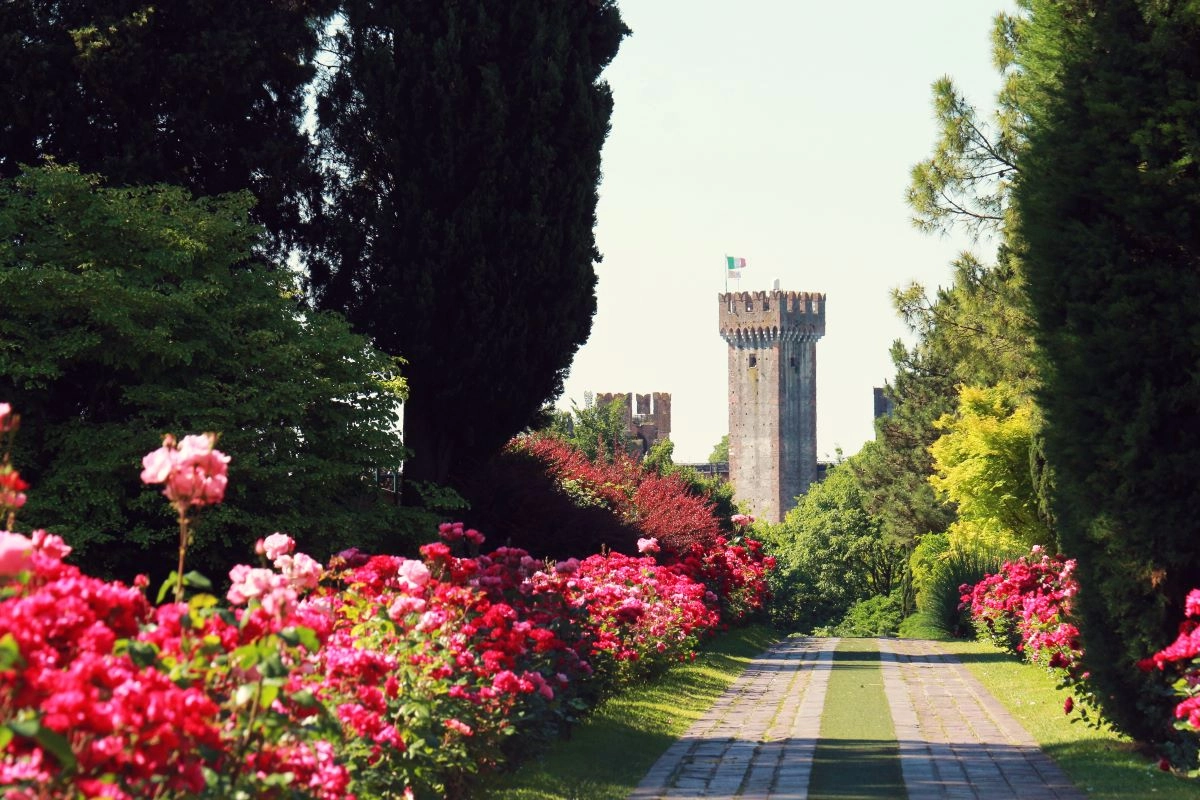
(753, 361)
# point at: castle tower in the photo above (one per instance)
(772, 340)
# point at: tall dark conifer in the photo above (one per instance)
(463, 149)
(1109, 202)
(207, 94)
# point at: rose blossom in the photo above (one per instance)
(16, 553)
(276, 545)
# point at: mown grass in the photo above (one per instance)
(1102, 763)
(857, 756)
(615, 746)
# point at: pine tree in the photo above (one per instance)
(1109, 203)
(463, 149)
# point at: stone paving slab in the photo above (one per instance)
(956, 739)
(758, 739)
(757, 742)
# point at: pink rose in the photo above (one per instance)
(16, 553)
(1193, 603)
(302, 571)
(157, 465)
(413, 573)
(404, 606)
(51, 545)
(277, 544)
(194, 472)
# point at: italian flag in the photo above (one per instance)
(735, 263)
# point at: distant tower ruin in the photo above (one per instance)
(772, 340)
(651, 423)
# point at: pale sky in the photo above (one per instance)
(783, 132)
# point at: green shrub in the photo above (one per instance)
(876, 616)
(941, 596)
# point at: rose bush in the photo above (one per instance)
(1181, 659)
(1025, 608)
(374, 676)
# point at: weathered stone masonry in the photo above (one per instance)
(772, 339)
(651, 423)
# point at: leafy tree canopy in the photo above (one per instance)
(129, 313)
(831, 553)
(981, 464)
(598, 430)
(720, 451)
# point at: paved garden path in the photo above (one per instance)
(955, 739)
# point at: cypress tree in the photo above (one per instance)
(463, 144)
(205, 94)
(1109, 208)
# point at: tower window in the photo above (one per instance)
(793, 363)
(753, 361)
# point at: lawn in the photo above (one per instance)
(1102, 763)
(610, 751)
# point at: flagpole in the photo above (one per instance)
(725, 269)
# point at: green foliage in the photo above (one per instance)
(966, 181)
(1109, 203)
(598, 430)
(130, 313)
(982, 465)
(894, 469)
(923, 625)
(941, 592)
(831, 553)
(872, 617)
(207, 94)
(463, 148)
(720, 452)
(612, 749)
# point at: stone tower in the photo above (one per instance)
(772, 340)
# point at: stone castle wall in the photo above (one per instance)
(652, 421)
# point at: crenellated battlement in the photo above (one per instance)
(650, 422)
(760, 318)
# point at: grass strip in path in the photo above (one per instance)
(615, 746)
(857, 755)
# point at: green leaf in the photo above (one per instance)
(57, 745)
(301, 636)
(143, 654)
(27, 727)
(195, 580)
(10, 654)
(171, 580)
(245, 656)
(270, 691)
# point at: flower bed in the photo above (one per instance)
(372, 676)
(1026, 609)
